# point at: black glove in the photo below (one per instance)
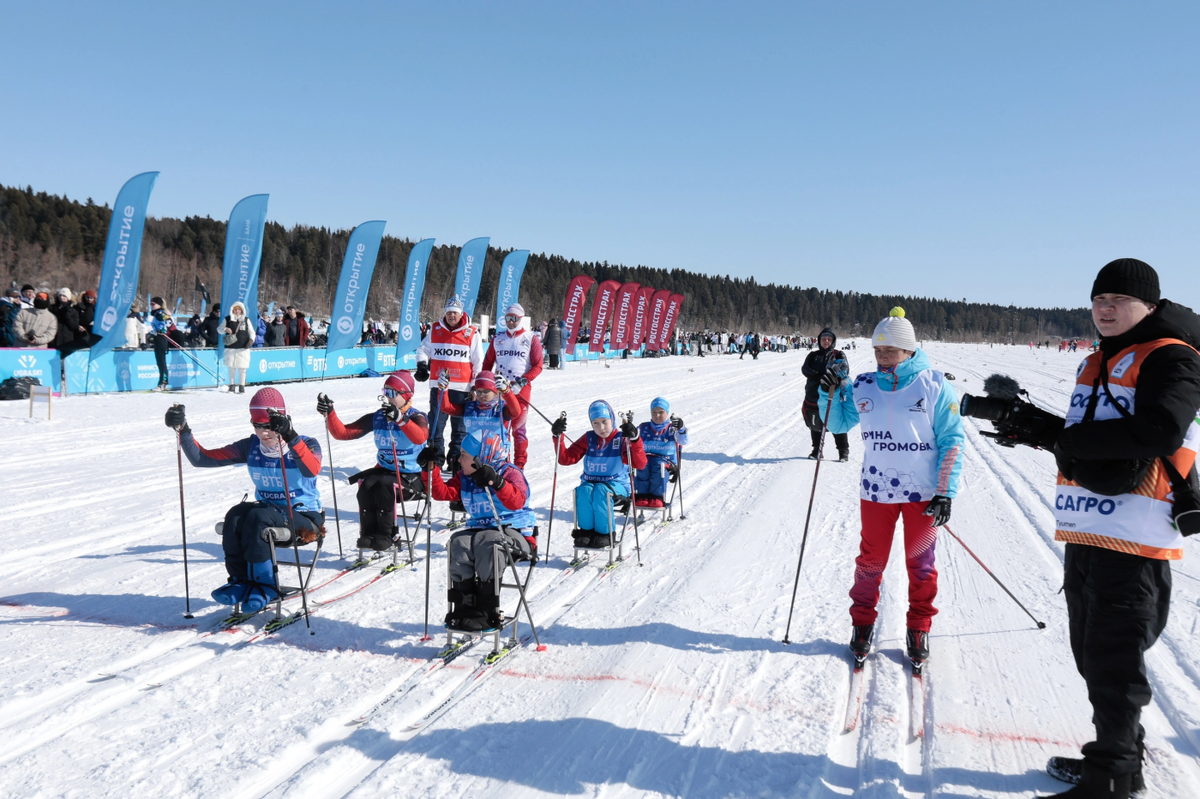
(676, 423)
(324, 404)
(559, 426)
(281, 425)
(939, 509)
(391, 412)
(629, 430)
(428, 459)
(834, 376)
(673, 471)
(485, 475)
(177, 419)
(422, 373)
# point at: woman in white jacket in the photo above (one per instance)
(237, 351)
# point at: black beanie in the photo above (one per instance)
(158, 301)
(1130, 277)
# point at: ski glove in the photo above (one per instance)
(177, 419)
(835, 376)
(391, 412)
(428, 459)
(486, 476)
(676, 423)
(502, 384)
(281, 425)
(558, 427)
(939, 509)
(629, 431)
(422, 373)
(324, 405)
(443, 380)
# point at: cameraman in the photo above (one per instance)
(1132, 409)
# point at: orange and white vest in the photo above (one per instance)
(457, 351)
(1139, 522)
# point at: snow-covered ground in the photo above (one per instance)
(665, 680)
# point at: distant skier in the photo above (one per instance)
(247, 553)
(815, 365)
(605, 471)
(483, 476)
(400, 432)
(660, 438)
(516, 355)
(912, 436)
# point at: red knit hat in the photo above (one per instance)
(401, 381)
(267, 399)
(485, 379)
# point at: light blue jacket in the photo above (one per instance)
(947, 424)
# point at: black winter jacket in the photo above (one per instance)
(1166, 399)
(816, 363)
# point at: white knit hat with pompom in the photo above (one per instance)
(895, 331)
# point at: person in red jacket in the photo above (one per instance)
(453, 346)
(516, 355)
(400, 430)
(493, 408)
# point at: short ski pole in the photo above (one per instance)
(337, 519)
(1041, 624)
(679, 473)
(400, 496)
(807, 518)
(554, 488)
(287, 498)
(187, 591)
(633, 494)
(428, 548)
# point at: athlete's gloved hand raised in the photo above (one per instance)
(391, 412)
(176, 418)
(324, 404)
(559, 427)
(444, 380)
(422, 373)
(629, 430)
(486, 476)
(427, 459)
(939, 509)
(281, 425)
(835, 376)
(676, 423)
(502, 384)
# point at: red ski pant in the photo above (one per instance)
(920, 536)
(520, 438)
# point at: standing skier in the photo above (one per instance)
(400, 432)
(661, 438)
(1126, 461)
(516, 355)
(452, 345)
(605, 471)
(483, 476)
(247, 551)
(815, 366)
(912, 436)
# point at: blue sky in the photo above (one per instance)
(998, 151)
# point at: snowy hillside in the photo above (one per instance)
(665, 680)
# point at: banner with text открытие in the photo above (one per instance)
(350, 303)
(509, 286)
(243, 255)
(122, 257)
(470, 272)
(408, 329)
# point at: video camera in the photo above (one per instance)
(1017, 420)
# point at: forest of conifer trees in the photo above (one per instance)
(53, 241)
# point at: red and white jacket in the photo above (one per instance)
(515, 355)
(456, 350)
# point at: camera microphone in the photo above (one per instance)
(1001, 387)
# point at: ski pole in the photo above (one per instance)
(528, 615)
(554, 487)
(807, 518)
(337, 519)
(428, 548)
(195, 360)
(400, 496)
(287, 498)
(628, 416)
(187, 591)
(679, 469)
(1041, 624)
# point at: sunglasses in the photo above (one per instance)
(391, 392)
(264, 426)
(512, 318)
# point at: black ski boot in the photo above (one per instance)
(918, 649)
(843, 456)
(487, 599)
(582, 538)
(1095, 783)
(1070, 769)
(860, 643)
(385, 539)
(464, 611)
(815, 454)
(368, 527)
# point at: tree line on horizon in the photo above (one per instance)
(54, 241)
